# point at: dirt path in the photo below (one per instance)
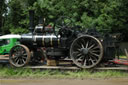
(64, 82)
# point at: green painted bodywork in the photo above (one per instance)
(7, 44)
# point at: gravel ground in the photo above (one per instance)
(114, 81)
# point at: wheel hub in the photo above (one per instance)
(84, 51)
(19, 55)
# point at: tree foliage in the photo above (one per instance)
(111, 15)
(3, 11)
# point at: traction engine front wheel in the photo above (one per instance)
(19, 56)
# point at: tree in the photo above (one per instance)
(18, 19)
(108, 15)
(2, 12)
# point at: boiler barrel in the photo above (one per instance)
(48, 40)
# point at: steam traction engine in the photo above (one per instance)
(84, 48)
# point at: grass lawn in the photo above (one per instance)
(6, 72)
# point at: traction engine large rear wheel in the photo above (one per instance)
(86, 51)
(19, 56)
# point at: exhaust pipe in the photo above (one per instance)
(31, 21)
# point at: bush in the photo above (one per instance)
(18, 30)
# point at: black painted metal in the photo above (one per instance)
(31, 19)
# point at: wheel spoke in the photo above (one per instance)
(25, 54)
(96, 47)
(17, 62)
(20, 61)
(23, 60)
(24, 57)
(85, 61)
(92, 61)
(82, 45)
(83, 42)
(79, 50)
(94, 51)
(87, 44)
(79, 55)
(94, 54)
(75, 53)
(91, 46)
(79, 59)
(15, 59)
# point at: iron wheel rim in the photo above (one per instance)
(86, 51)
(19, 56)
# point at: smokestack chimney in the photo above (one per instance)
(41, 20)
(31, 21)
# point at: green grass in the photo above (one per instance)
(29, 73)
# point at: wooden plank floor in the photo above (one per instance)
(54, 67)
(75, 68)
(4, 57)
(112, 68)
(65, 67)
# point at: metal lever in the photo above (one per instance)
(126, 53)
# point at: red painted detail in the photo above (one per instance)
(120, 61)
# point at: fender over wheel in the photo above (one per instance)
(19, 56)
(86, 51)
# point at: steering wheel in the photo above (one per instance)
(62, 24)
